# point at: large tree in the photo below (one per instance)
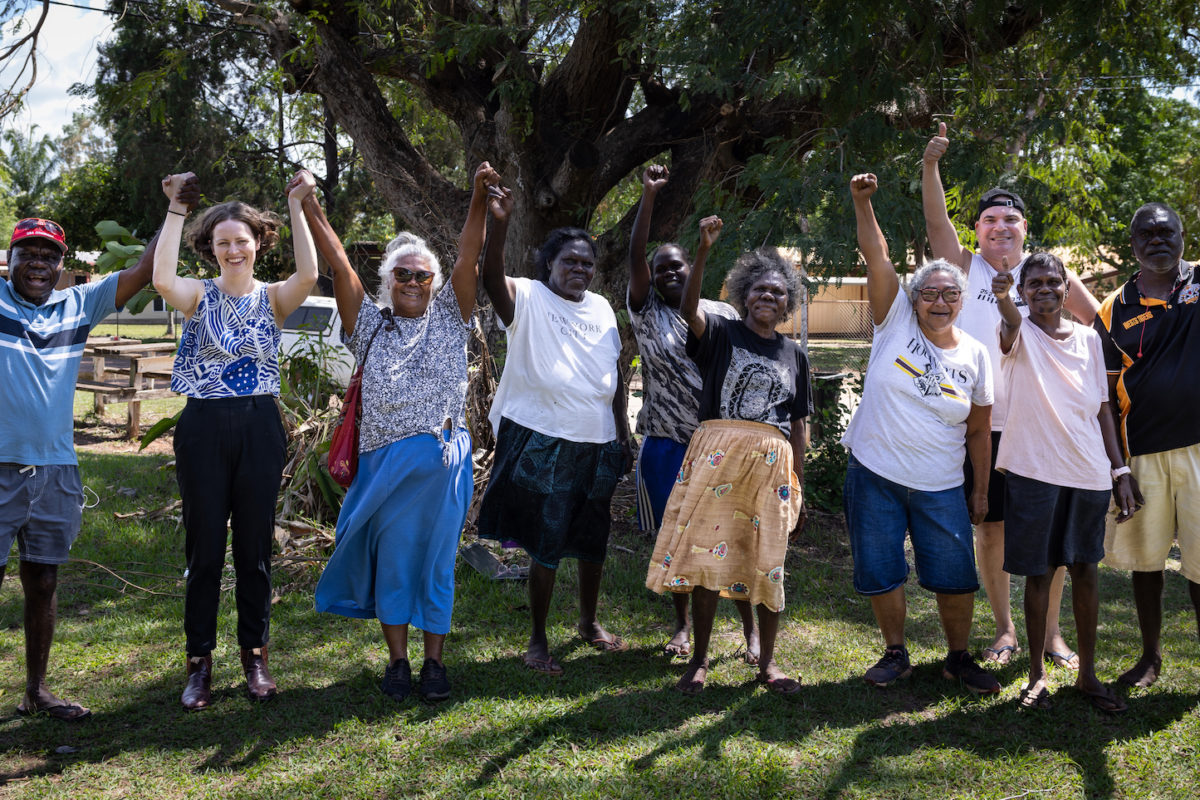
(762, 108)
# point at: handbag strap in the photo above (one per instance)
(386, 318)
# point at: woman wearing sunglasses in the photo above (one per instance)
(230, 445)
(927, 401)
(398, 530)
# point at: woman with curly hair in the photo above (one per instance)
(230, 444)
(739, 493)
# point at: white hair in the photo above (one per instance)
(406, 244)
(926, 271)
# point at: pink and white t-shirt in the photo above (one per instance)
(1055, 388)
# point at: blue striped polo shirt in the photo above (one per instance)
(40, 350)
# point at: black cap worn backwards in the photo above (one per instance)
(1000, 197)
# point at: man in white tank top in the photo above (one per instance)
(1000, 230)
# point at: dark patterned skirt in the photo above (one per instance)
(550, 495)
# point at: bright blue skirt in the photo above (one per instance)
(397, 534)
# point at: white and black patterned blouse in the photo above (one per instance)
(229, 346)
(670, 380)
(416, 373)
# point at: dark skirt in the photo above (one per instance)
(549, 495)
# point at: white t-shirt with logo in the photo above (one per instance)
(560, 372)
(911, 425)
(980, 317)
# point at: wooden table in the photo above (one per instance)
(147, 374)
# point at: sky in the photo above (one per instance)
(66, 55)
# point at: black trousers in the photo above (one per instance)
(229, 458)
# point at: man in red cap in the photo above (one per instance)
(43, 331)
(1000, 230)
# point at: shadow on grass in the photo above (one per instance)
(122, 650)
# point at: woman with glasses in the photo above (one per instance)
(230, 445)
(398, 530)
(926, 402)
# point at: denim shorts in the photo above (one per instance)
(42, 508)
(879, 513)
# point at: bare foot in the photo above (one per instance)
(752, 648)
(1144, 673)
(692, 681)
(680, 644)
(46, 703)
(777, 680)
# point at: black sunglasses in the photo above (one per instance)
(405, 275)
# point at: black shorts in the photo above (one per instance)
(1048, 526)
(995, 484)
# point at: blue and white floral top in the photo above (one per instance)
(230, 346)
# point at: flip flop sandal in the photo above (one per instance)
(1039, 700)
(613, 645)
(783, 685)
(998, 655)
(67, 712)
(1063, 659)
(543, 666)
(678, 650)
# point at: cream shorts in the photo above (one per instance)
(1170, 483)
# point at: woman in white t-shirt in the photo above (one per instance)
(562, 434)
(926, 403)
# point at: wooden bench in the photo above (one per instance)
(144, 375)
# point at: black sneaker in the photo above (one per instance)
(892, 667)
(434, 684)
(397, 680)
(959, 665)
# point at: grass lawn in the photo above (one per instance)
(610, 728)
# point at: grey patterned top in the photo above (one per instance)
(670, 380)
(416, 373)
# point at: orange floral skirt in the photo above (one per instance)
(735, 501)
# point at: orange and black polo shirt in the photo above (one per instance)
(1153, 346)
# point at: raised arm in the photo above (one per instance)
(182, 293)
(499, 287)
(470, 241)
(347, 287)
(133, 279)
(1010, 318)
(653, 179)
(689, 306)
(943, 239)
(882, 283)
(286, 296)
(1079, 301)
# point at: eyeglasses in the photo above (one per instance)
(405, 275)
(35, 224)
(949, 295)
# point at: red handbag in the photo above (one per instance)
(343, 445)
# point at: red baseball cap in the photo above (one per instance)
(34, 227)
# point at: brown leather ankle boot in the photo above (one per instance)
(198, 692)
(258, 680)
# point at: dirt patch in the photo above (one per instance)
(108, 436)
